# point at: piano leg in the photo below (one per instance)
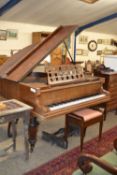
(33, 129)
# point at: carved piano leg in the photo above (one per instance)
(33, 129)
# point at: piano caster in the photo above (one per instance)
(33, 128)
(59, 141)
(32, 145)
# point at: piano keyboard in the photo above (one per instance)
(74, 102)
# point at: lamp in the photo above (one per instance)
(89, 1)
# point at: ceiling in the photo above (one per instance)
(109, 27)
(62, 12)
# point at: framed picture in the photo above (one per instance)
(79, 51)
(85, 52)
(108, 52)
(12, 33)
(83, 39)
(99, 52)
(3, 34)
(99, 41)
(106, 41)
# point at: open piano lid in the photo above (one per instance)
(21, 63)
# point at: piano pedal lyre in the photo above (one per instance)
(54, 139)
(58, 136)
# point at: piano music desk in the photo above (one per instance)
(13, 110)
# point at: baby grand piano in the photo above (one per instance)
(53, 99)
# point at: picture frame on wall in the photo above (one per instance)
(83, 39)
(99, 41)
(99, 52)
(85, 52)
(12, 33)
(79, 51)
(106, 41)
(3, 34)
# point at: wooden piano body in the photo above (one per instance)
(18, 81)
(44, 97)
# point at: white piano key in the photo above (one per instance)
(79, 101)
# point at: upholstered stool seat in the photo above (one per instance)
(83, 118)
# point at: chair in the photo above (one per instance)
(83, 118)
(107, 163)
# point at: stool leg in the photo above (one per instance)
(100, 129)
(82, 134)
(66, 132)
(85, 131)
(105, 113)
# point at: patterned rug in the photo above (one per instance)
(67, 162)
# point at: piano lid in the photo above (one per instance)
(21, 63)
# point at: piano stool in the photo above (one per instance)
(83, 118)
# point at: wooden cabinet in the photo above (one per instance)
(38, 37)
(111, 86)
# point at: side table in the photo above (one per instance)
(14, 110)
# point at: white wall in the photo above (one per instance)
(25, 38)
(24, 35)
(94, 36)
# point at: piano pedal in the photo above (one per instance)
(74, 130)
(47, 136)
(60, 131)
(59, 141)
